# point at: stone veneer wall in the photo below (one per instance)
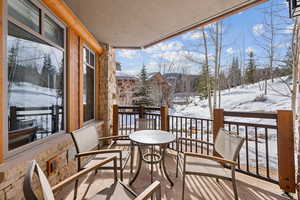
(13, 170)
(108, 86)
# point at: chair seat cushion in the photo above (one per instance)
(116, 191)
(206, 167)
(103, 156)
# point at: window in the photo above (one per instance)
(53, 31)
(35, 78)
(88, 84)
(25, 12)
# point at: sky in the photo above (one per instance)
(242, 33)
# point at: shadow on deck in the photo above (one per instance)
(200, 188)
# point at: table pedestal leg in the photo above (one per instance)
(164, 165)
(140, 160)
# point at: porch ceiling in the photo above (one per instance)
(140, 23)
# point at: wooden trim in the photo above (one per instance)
(80, 86)
(72, 78)
(2, 80)
(206, 22)
(61, 10)
(115, 120)
(97, 87)
(164, 113)
(250, 114)
(285, 142)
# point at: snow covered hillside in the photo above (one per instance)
(243, 98)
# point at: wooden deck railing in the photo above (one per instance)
(47, 120)
(268, 151)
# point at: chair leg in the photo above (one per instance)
(183, 176)
(75, 189)
(177, 165)
(121, 174)
(131, 158)
(183, 185)
(234, 189)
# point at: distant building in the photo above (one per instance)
(161, 89)
(125, 87)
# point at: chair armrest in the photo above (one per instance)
(218, 159)
(195, 140)
(115, 137)
(83, 172)
(89, 153)
(149, 191)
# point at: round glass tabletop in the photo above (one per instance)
(152, 137)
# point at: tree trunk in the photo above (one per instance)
(216, 65)
(207, 74)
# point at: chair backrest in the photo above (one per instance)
(145, 124)
(45, 186)
(228, 144)
(85, 139)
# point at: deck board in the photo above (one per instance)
(200, 188)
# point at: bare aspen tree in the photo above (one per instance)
(295, 61)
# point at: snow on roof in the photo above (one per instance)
(123, 75)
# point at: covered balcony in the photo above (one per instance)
(58, 87)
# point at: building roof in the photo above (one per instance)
(123, 75)
(140, 23)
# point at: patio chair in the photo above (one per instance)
(227, 145)
(116, 191)
(124, 141)
(87, 145)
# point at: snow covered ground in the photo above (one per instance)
(244, 98)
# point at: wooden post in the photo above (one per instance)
(285, 148)
(218, 122)
(13, 118)
(141, 111)
(115, 120)
(164, 117)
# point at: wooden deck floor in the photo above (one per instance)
(197, 188)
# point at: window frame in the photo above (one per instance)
(85, 46)
(43, 11)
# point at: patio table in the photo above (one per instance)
(152, 138)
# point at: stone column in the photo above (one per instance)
(107, 88)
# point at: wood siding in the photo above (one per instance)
(72, 81)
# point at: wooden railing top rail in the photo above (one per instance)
(137, 107)
(192, 118)
(262, 115)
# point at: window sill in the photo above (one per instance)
(29, 151)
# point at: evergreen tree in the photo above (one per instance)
(47, 73)
(141, 95)
(203, 82)
(250, 75)
(234, 76)
(287, 67)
